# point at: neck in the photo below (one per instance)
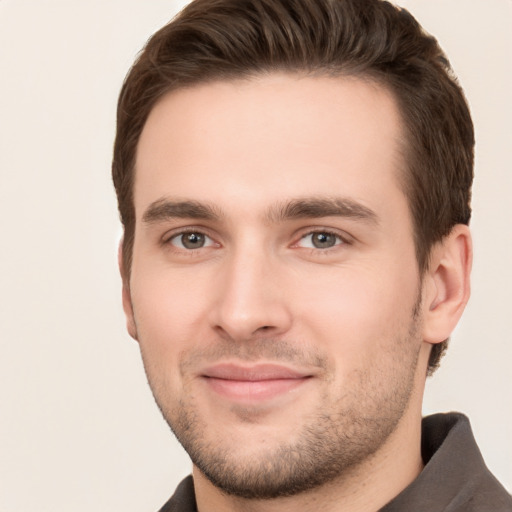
(365, 488)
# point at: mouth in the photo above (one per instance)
(256, 383)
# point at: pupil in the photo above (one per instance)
(192, 240)
(323, 240)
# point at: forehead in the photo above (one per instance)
(268, 138)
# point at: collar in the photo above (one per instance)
(454, 479)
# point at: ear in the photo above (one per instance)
(127, 300)
(447, 284)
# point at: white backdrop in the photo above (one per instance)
(78, 427)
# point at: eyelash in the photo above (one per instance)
(341, 240)
(167, 240)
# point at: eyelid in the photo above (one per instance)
(343, 236)
(174, 233)
(311, 245)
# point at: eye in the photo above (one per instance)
(320, 240)
(191, 240)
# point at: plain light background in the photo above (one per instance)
(78, 427)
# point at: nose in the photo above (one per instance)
(252, 299)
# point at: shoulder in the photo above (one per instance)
(455, 477)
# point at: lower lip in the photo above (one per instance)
(253, 391)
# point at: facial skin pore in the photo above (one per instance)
(275, 293)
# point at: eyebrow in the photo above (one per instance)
(301, 208)
(316, 207)
(165, 209)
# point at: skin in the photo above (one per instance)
(288, 331)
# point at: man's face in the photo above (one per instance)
(274, 286)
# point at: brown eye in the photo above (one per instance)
(192, 240)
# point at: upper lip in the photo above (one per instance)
(257, 372)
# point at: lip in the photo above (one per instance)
(253, 383)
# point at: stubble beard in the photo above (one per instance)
(335, 440)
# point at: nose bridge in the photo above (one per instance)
(249, 298)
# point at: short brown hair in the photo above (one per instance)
(228, 39)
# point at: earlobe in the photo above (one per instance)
(127, 300)
(447, 284)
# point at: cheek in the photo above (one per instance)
(161, 322)
(356, 310)
(168, 311)
(168, 300)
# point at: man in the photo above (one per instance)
(294, 178)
